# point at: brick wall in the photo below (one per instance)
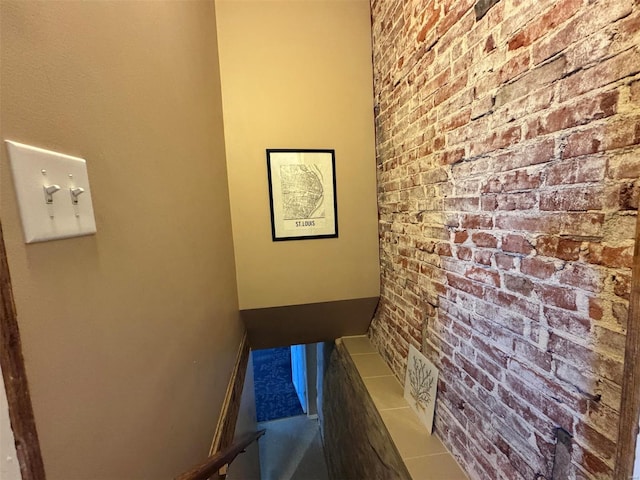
(508, 165)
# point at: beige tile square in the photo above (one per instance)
(386, 392)
(371, 365)
(409, 434)
(435, 467)
(360, 344)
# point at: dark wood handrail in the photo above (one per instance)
(224, 457)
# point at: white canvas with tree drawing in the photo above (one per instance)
(420, 386)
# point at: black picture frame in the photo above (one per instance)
(302, 193)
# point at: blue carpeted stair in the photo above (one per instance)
(275, 395)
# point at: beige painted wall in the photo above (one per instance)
(130, 335)
(297, 74)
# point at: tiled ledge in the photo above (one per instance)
(424, 455)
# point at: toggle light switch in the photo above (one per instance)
(35, 171)
(75, 193)
(49, 190)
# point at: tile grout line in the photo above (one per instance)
(427, 456)
(376, 376)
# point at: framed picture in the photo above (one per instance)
(421, 386)
(302, 194)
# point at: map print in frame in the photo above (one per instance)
(302, 194)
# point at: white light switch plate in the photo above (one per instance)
(33, 170)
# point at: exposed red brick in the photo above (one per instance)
(520, 40)
(558, 247)
(493, 185)
(629, 195)
(480, 107)
(605, 447)
(527, 385)
(514, 67)
(588, 224)
(600, 75)
(602, 106)
(595, 308)
(573, 31)
(488, 202)
(572, 199)
(537, 153)
(473, 371)
(510, 143)
(620, 313)
(610, 256)
(521, 285)
(532, 417)
(537, 268)
(432, 16)
(453, 12)
(634, 91)
(513, 201)
(560, 12)
(590, 360)
(513, 303)
(576, 171)
(603, 137)
(476, 221)
(456, 120)
(443, 249)
(465, 285)
(450, 157)
(557, 296)
(513, 181)
(505, 262)
(464, 204)
(531, 81)
(585, 142)
(521, 180)
(449, 90)
(490, 44)
(595, 466)
(496, 356)
(483, 275)
(496, 140)
(460, 236)
(582, 276)
(482, 239)
(482, 257)
(516, 244)
(567, 322)
(622, 285)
